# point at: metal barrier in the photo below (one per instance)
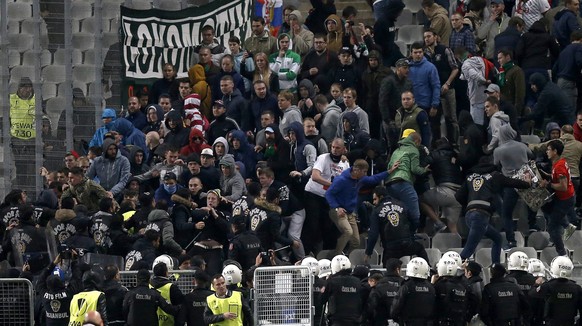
(184, 279)
(283, 295)
(16, 302)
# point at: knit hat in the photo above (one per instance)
(297, 14)
(192, 101)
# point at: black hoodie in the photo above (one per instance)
(176, 137)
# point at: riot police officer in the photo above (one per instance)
(383, 293)
(517, 264)
(343, 292)
(503, 302)
(414, 293)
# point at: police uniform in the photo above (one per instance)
(381, 298)
(415, 303)
(194, 305)
(171, 293)
(344, 295)
(244, 248)
(140, 304)
(457, 304)
(563, 301)
(503, 303)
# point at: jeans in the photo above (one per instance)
(478, 223)
(294, 225)
(348, 227)
(557, 221)
(404, 191)
(510, 197)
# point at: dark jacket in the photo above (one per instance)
(151, 125)
(245, 154)
(144, 252)
(315, 21)
(194, 305)
(137, 169)
(265, 221)
(115, 292)
(565, 22)
(445, 167)
(305, 110)
(569, 64)
(507, 39)
(236, 108)
(381, 298)
(176, 137)
(220, 126)
(344, 295)
(181, 214)
(422, 294)
(278, 156)
(138, 119)
(389, 95)
(532, 49)
(503, 302)
(552, 101)
(355, 139)
(385, 33)
(259, 105)
(141, 303)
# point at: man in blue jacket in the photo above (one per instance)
(565, 22)
(342, 197)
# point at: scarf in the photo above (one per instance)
(502, 71)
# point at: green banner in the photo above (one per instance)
(153, 37)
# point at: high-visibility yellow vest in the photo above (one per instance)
(22, 117)
(231, 304)
(82, 303)
(164, 318)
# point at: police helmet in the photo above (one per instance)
(536, 268)
(340, 263)
(447, 266)
(312, 264)
(561, 267)
(232, 274)
(454, 255)
(166, 259)
(324, 267)
(518, 261)
(417, 267)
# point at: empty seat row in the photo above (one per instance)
(30, 57)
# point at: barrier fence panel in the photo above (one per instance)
(283, 295)
(184, 279)
(16, 302)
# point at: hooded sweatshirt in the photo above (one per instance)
(160, 221)
(362, 117)
(194, 146)
(151, 125)
(100, 133)
(137, 169)
(306, 111)
(330, 119)
(303, 41)
(409, 158)
(334, 39)
(498, 119)
(510, 154)
(131, 135)
(551, 101)
(286, 67)
(439, 22)
(303, 152)
(245, 154)
(232, 186)
(226, 147)
(113, 172)
(290, 115)
(565, 22)
(178, 136)
(200, 86)
(236, 108)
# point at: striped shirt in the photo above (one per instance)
(531, 11)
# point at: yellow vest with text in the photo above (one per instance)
(164, 319)
(82, 303)
(231, 304)
(22, 117)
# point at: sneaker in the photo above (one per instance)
(510, 245)
(439, 227)
(569, 231)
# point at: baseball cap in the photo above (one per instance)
(269, 129)
(492, 88)
(402, 63)
(345, 49)
(108, 113)
(207, 151)
(219, 103)
(170, 176)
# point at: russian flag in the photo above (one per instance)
(272, 12)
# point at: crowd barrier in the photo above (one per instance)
(16, 302)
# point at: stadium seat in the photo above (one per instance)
(89, 25)
(49, 90)
(141, 4)
(76, 57)
(54, 74)
(29, 26)
(434, 255)
(21, 71)
(410, 33)
(81, 10)
(483, 257)
(90, 56)
(326, 254)
(575, 241)
(61, 88)
(114, 25)
(170, 5)
(111, 9)
(19, 10)
(84, 73)
(445, 241)
(357, 257)
(109, 39)
(29, 58)
(406, 18)
(20, 42)
(423, 239)
(13, 58)
(403, 47)
(405, 260)
(577, 256)
(83, 41)
(54, 108)
(529, 251)
(13, 27)
(413, 5)
(548, 254)
(538, 240)
(530, 139)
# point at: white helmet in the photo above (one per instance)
(417, 267)
(340, 263)
(312, 264)
(517, 261)
(454, 255)
(536, 267)
(561, 267)
(232, 274)
(447, 266)
(324, 267)
(166, 259)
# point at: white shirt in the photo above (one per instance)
(328, 169)
(531, 11)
